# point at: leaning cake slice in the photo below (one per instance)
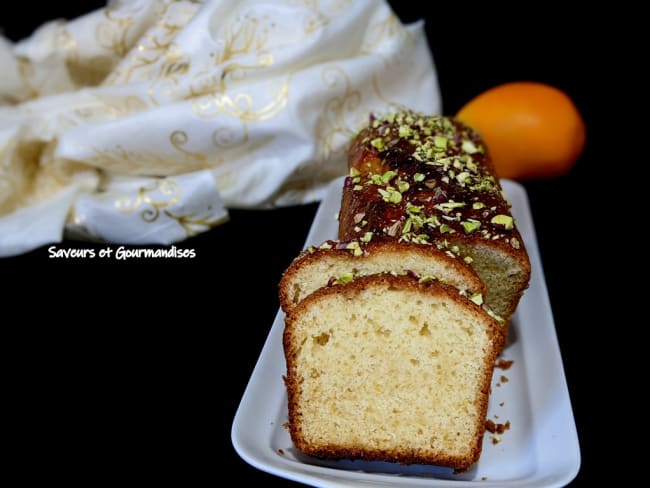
(336, 261)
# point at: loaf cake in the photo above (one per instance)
(335, 261)
(390, 368)
(389, 347)
(429, 180)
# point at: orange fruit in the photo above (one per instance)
(531, 130)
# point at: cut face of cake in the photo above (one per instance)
(390, 368)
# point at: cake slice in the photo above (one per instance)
(340, 261)
(390, 368)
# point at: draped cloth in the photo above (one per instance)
(145, 121)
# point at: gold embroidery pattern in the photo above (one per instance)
(142, 163)
(179, 139)
(156, 196)
(243, 106)
(111, 107)
(240, 40)
(247, 35)
(336, 128)
(194, 224)
(225, 137)
(388, 29)
(396, 106)
(154, 45)
(333, 6)
(113, 34)
(314, 22)
(317, 15)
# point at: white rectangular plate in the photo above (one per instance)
(539, 450)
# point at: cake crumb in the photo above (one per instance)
(504, 364)
(281, 452)
(493, 428)
(504, 379)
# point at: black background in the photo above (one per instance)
(134, 370)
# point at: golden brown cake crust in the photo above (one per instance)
(348, 291)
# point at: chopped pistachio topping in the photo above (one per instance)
(354, 247)
(502, 221)
(446, 164)
(470, 225)
(325, 245)
(407, 226)
(420, 239)
(440, 141)
(432, 221)
(366, 237)
(426, 278)
(344, 278)
(469, 147)
(477, 298)
(377, 143)
(496, 317)
(468, 260)
(403, 186)
(413, 209)
(393, 228)
(444, 228)
(448, 206)
(390, 195)
(405, 131)
(354, 172)
(463, 177)
(387, 176)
